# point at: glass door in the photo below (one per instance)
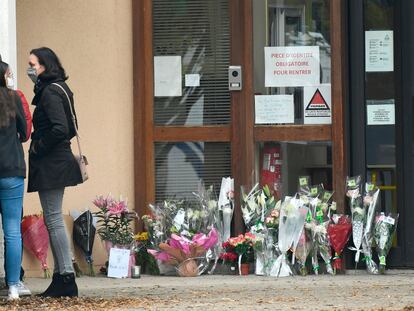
(293, 107)
(381, 109)
(189, 126)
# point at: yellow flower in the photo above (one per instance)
(141, 236)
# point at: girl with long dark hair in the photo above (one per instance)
(12, 173)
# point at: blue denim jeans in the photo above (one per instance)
(11, 202)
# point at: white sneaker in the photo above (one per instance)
(23, 290)
(13, 292)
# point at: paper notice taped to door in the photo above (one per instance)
(380, 112)
(292, 66)
(274, 109)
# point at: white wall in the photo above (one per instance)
(8, 33)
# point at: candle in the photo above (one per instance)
(135, 272)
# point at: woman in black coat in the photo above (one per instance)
(52, 165)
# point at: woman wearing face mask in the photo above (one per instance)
(23, 290)
(12, 174)
(52, 166)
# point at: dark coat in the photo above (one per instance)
(11, 151)
(52, 164)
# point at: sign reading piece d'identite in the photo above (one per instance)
(317, 104)
(292, 66)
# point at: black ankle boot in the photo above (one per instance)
(50, 287)
(63, 285)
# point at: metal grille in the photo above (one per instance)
(180, 166)
(199, 32)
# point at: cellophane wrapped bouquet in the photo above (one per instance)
(222, 218)
(317, 222)
(291, 224)
(36, 239)
(358, 211)
(339, 231)
(260, 213)
(182, 232)
(384, 229)
(370, 204)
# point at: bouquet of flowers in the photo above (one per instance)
(384, 230)
(84, 236)
(339, 232)
(114, 220)
(243, 246)
(321, 246)
(36, 239)
(229, 255)
(292, 219)
(317, 223)
(183, 253)
(255, 204)
(370, 203)
(225, 208)
(142, 257)
(185, 220)
(358, 211)
(303, 249)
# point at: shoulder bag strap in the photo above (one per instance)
(72, 116)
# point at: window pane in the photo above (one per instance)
(199, 32)
(279, 165)
(301, 60)
(180, 166)
(381, 94)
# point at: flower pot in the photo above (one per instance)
(188, 267)
(244, 269)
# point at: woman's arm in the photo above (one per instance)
(20, 119)
(27, 114)
(52, 104)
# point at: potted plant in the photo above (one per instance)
(142, 257)
(114, 224)
(243, 247)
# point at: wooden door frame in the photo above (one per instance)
(339, 74)
(241, 133)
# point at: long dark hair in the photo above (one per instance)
(52, 64)
(7, 100)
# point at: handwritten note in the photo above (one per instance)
(118, 263)
(274, 109)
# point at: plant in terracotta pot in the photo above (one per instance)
(243, 247)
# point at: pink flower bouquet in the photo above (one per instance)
(183, 253)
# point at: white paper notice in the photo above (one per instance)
(167, 76)
(380, 112)
(292, 66)
(192, 80)
(118, 263)
(379, 51)
(274, 109)
(317, 105)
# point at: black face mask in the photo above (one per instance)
(31, 72)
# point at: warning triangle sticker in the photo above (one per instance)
(317, 102)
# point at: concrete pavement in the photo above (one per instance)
(353, 291)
